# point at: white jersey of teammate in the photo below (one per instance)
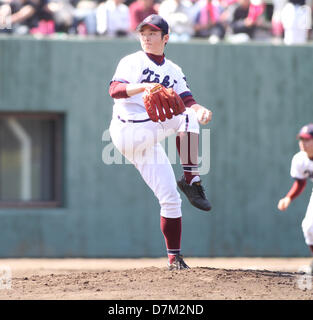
(301, 166)
(139, 68)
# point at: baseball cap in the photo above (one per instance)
(306, 132)
(155, 21)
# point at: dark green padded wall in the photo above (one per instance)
(260, 96)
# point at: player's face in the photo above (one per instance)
(151, 40)
(306, 145)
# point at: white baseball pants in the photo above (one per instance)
(140, 144)
(307, 223)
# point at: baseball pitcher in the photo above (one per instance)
(152, 101)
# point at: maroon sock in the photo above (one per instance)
(187, 144)
(311, 248)
(171, 229)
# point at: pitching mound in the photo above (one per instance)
(154, 283)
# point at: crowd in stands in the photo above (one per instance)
(288, 21)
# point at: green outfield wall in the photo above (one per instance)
(260, 96)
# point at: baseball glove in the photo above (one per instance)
(162, 103)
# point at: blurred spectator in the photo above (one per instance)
(297, 20)
(26, 16)
(208, 22)
(85, 21)
(196, 6)
(247, 17)
(113, 18)
(239, 20)
(277, 26)
(139, 10)
(63, 14)
(179, 16)
(5, 14)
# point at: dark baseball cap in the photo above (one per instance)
(306, 132)
(155, 21)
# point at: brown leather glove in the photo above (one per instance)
(162, 103)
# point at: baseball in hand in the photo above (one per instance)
(203, 116)
(284, 203)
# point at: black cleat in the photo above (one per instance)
(195, 194)
(178, 264)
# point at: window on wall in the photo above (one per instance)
(31, 159)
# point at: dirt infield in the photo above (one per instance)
(148, 279)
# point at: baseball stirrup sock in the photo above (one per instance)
(187, 144)
(171, 229)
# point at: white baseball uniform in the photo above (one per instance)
(302, 168)
(138, 138)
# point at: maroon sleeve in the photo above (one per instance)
(296, 189)
(188, 101)
(117, 90)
